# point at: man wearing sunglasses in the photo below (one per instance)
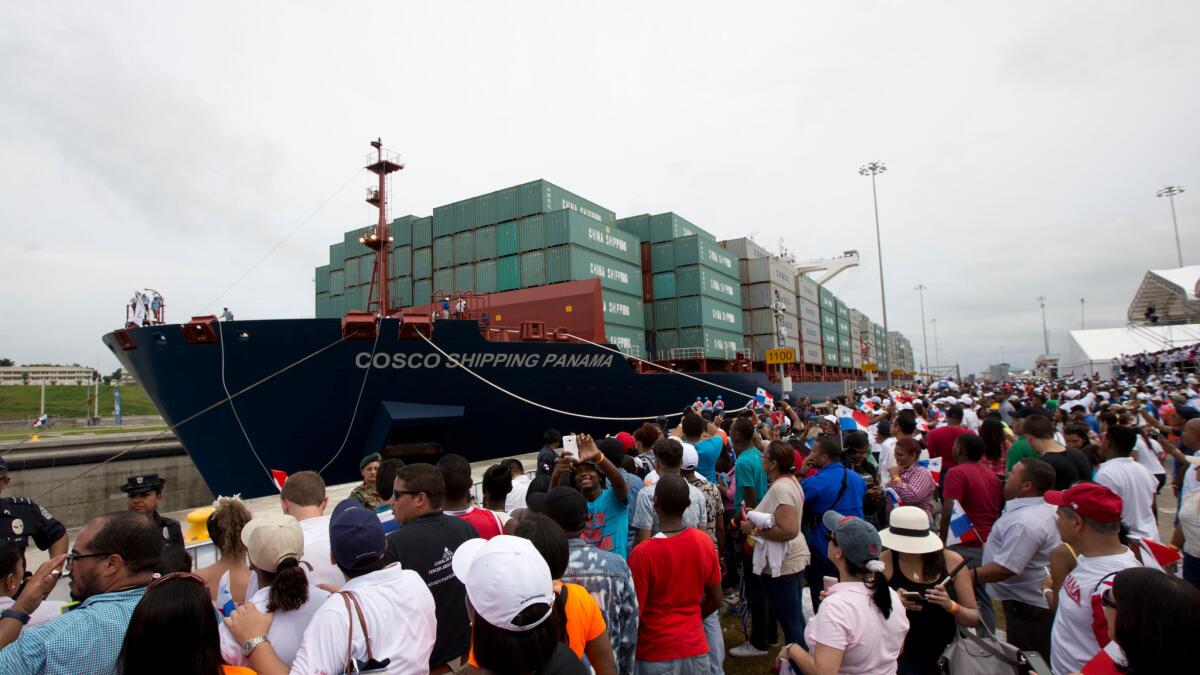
(112, 561)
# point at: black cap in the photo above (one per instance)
(567, 507)
(143, 483)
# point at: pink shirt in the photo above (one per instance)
(849, 621)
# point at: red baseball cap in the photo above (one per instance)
(1090, 500)
(626, 440)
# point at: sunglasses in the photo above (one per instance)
(1108, 599)
(178, 575)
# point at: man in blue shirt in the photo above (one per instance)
(693, 427)
(110, 565)
(834, 488)
(548, 455)
(607, 496)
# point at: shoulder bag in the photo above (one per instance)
(980, 652)
(353, 665)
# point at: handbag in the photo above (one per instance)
(353, 665)
(983, 653)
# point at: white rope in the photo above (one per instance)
(232, 407)
(361, 388)
(506, 392)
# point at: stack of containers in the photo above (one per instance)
(829, 327)
(885, 363)
(344, 284)
(765, 280)
(858, 321)
(843, 325)
(694, 294)
(808, 306)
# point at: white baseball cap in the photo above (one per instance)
(504, 576)
(271, 539)
(690, 457)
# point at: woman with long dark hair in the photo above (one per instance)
(1151, 616)
(995, 444)
(860, 626)
(173, 629)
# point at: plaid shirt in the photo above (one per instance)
(606, 576)
(915, 487)
(84, 641)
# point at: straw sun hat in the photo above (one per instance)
(909, 532)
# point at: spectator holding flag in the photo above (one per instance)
(979, 497)
(911, 483)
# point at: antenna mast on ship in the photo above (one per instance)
(380, 239)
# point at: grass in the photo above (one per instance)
(20, 402)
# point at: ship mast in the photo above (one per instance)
(380, 239)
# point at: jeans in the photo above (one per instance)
(974, 557)
(784, 592)
(693, 665)
(1191, 570)
(716, 643)
(818, 568)
(763, 629)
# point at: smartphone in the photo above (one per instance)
(829, 582)
(911, 596)
(570, 445)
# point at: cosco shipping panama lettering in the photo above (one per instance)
(475, 329)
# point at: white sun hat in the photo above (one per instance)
(909, 532)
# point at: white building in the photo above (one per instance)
(10, 375)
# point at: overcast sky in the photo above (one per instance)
(154, 145)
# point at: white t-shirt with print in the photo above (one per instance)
(1079, 624)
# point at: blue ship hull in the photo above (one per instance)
(413, 400)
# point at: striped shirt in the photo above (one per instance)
(83, 641)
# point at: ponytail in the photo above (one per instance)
(289, 587)
(872, 573)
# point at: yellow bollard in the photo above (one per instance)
(198, 525)
(33, 437)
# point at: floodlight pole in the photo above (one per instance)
(1045, 334)
(924, 334)
(1169, 191)
(874, 169)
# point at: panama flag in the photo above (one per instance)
(852, 420)
(934, 464)
(763, 397)
(961, 529)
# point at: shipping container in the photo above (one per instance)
(623, 309)
(422, 291)
(485, 276)
(443, 222)
(810, 353)
(507, 207)
(807, 289)
(464, 277)
(699, 280)
(764, 322)
(531, 233)
(831, 357)
(627, 339)
(638, 226)
(666, 314)
(827, 301)
(542, 196)
(843, 326)
(507, 239)
(443, 252)
(486, 212)
(669, 227)
(768, 270)
(533, 269)
(422, 232)
(843, 311)
(857, 318)
(485, 244)
(829, 340)
(662, 257)
(715, 344)
(400, 262)
(744, 248)
(352, 272)
(337, 255)
(464, 247)
(808, 310)
(665, 341)
(572, 227)
(401, 231)
(759, 344)
(844, 344)
(443, 280)
(845, 361)
(765, 295)
(664, 285)
(696, 250)
(322, 279)
(337, 282)
(829, 321)
(856, 360)
(508, 273)
(463, 216)
(648, 317)
(810, 332)
(422, 263)
(698, 310)
(571, 263)
(321, 306)
(350, 239)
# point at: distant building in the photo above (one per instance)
(998, 372)
(12, 375)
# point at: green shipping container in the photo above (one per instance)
(666, 314)
(844, 344)
(507, 207)
(665, 341)
(322, 279)
(352, 265)
(464, 277)
(669, 226)
(366, 268)
(337, 255)
(464, 215)
(697, 310)
(846, 361)
(485, 243)
(696, 250)
(623, 310)
(572, 227)
(403, 295)
(485, 209)
(401, 230)
(533, 269)
(542, 196)
(664, 285)
(508, 273)
(716, 344)
(648, 313)
(662, 257)
(485, 276)
(827, 301)
(337, 282)
(443, 252)
(843, 311)
(699, 280)
(507, 239)
(829, 321)
(443, 221)
(831, 358)
(627, 339)
(843, 326)
(638, 226)
(321, 306)
(422, 291)
(422, 264)
(443, 280)
(350, 239)
(401, 262)
(829, 340)
(572, 263)
(531, 233)
(464, 247)
(422, 232)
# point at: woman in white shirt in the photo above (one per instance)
(275, 545)
(861, 624)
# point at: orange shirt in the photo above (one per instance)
(585, 622)
(236, 670)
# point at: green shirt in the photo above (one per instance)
(1019, 451)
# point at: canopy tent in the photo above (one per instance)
(1174, 294)
(1092, 351)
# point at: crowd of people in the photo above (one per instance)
(1022, 514)
(1177, 359)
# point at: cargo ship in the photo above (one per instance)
(399, 363)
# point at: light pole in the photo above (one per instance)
(924, 337)
(1169, 191)
(1045, 334)
(937, 351)
(1082, 322)
(874, 169)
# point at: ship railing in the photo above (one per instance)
(687, 353)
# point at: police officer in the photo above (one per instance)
(144, 492)
(21, 518)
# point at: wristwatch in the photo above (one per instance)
(14, 614)
(249, 645)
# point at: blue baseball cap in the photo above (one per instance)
(355, 535)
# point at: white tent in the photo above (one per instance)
(1092, 351)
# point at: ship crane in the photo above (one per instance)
(831, 266)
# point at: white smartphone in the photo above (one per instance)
(828, 582)
(570, 445)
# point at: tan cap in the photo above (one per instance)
(271, 539)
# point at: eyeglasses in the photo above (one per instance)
(410, 493)
(1107, 599)
(177, 575)
(75, 555)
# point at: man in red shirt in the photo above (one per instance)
(941, 440)
(678, 582)
(978, 490)
(456, 473)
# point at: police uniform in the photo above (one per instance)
(21, 518)
(172, 533)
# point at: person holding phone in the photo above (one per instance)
(934, 585)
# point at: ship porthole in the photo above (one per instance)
(160, 338)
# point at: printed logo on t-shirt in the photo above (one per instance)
(593, 532)
(1072, 588)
